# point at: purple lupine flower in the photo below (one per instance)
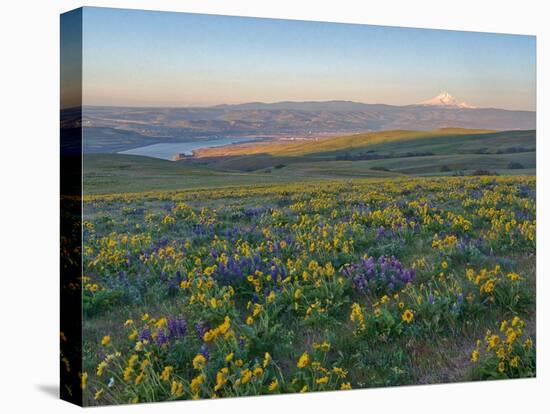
(145, 334)
(162, 339)
(386, 274)
(177, 327)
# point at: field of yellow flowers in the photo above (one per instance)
(307, 287)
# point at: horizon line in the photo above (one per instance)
(176, 106)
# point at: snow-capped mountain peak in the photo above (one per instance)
(446, 99)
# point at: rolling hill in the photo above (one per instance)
(371, 155)
(105, 128)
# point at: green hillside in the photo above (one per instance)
(474, 151)
(356, 141)
(111, 173)
(389, 154)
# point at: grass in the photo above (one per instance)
(401, 151)
(168, 254)
(372, 155)
(343, 143)
(359, 141)
(112, 173)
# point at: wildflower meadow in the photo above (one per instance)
(304, 287)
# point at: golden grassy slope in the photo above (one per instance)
(285, 148)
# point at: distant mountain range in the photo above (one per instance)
(112, 129)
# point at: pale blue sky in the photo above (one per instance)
(146, 58)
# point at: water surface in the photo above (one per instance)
(167, 151)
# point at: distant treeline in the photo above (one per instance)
(510, 150)
(373, 155)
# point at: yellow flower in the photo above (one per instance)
(128, 322)
(444, 264)
(407, 316)
(517, 321)
(258, 371)
(514, 362)
(501, 367)
(304, 388)
(298, 294)
(229, 357)
(168, 220)
(511, 335)
(356, 315)
(345, 386)
(221, 378)
(325, 346)
(257, 309)
(98, 394)
(249, 320)
(101, 367)
(140, 377)
(322, 380)
(503, 326)
(128, 371)
(246, 374)
(166, 372)
(493, 341)
(196, 383)
(303, 361)
(106, 340)
(176, 389)
(342, 373)
(132, 360)
(133, 335)
(273, 385)
(199, 361)
(475, 355)
(83, 380)
(267, 359)
(225, 326)
(161, 323)
(210, 335)
(513, 276)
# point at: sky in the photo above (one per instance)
(144, 58)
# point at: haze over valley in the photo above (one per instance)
(116, 129)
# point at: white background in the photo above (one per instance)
(29, 114)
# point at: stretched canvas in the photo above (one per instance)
(258, 206)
